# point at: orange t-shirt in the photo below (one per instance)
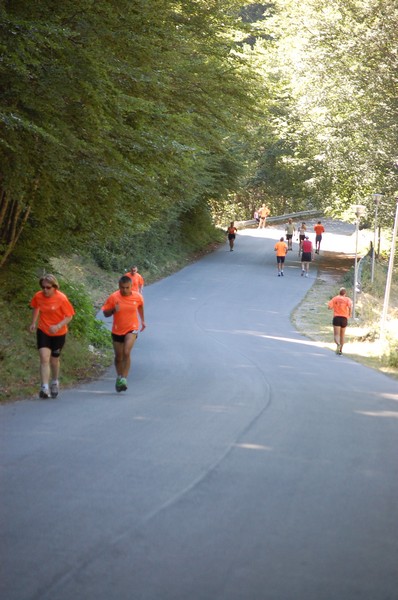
(341, 306)
(281, 248)
(319, 229)
(137, 281)
(52, 310)
(126, 319)
(232, 230)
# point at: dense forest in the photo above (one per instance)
(126, 123)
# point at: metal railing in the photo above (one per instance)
(279, 218)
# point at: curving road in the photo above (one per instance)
(245, 462)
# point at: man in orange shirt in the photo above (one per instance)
(137, 279)
(125, 305)
(53, 311)
(342, 308)
(319, 229)
(281, 251)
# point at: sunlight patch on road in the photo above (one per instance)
(390, 396)
(386, 414)
(217, 408)
(283, 339)
(253, 447)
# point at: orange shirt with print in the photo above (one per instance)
(341, 306)
(319, 229)
(281, 248)
(137, 281)
(52, 310)
(125, 319)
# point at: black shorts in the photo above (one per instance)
(289, 236)
(340, 321)
(280, 259)
(120, 338)
(54, 342)
(231, 236)
(302, 237)
(318, 238)
(306, 257)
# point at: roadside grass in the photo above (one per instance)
(19, 360)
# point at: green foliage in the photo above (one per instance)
(330, 129)
(157, 248)
(85, 325)
(393, 355)
(116, 117)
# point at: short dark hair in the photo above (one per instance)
(125, 279)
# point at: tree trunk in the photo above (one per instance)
(13, 217)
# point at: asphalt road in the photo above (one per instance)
(244, 462)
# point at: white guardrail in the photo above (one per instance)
(277, 219)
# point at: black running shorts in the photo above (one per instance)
(340, 321)
(54, 342)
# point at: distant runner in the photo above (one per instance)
(307, 254)
(263, 213)
(231, 231)
(302, 233)
(319, 229)
(342, 309)
(281, 251)
(290, 229)
(137, 279)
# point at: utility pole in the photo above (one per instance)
(389, 276)
(376, 199)
(359, 212)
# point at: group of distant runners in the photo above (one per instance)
(52, 312)
(340, 304)
(305, 248)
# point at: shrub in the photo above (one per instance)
(85, 325)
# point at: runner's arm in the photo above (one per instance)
(141, 313)
(35, 314)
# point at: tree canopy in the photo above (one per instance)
(333, 70)
(120, 117)
(116, 115)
